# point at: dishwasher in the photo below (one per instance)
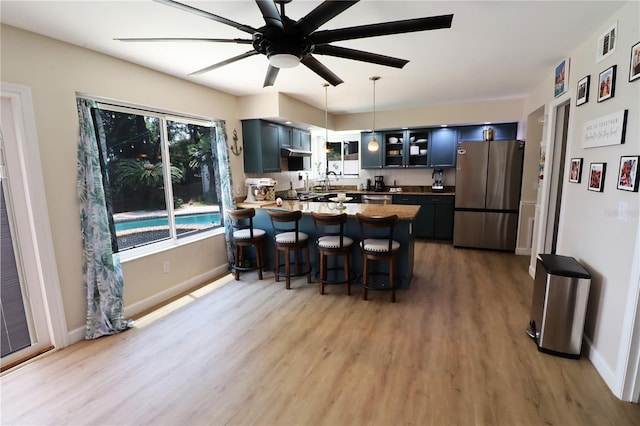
(377, 199)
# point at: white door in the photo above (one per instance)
(33, 316)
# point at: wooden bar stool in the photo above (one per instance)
(288, 238)
(331, 242)
(378, 245)
(245, 235)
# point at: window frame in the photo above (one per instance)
(163, 116)
(343, 143)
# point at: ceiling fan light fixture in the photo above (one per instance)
(284, 60)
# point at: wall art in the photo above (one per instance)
(607, 84)
(596, 176)
(634, 66)
(561, 78)
(583, 91)
(575, 173)
(607, 42)
(609, 129)
(628, 173)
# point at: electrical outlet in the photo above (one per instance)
(166, 266)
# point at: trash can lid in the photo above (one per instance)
(564, 266)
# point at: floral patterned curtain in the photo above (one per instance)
(101, 268)
(223, 176)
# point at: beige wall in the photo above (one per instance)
(55, 72)
(590, 228)
(593, 226)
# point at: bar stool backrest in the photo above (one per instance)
(242, 219)
(377, 227)
(282, 222)
(330, 225)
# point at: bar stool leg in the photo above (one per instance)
(287, 268)
(259, 259)
(277, 265)
(323, 271)
(365, 277)
(392, 283)
(346, 273)
(237, 259)
(308, 264)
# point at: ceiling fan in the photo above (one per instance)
(287, 42)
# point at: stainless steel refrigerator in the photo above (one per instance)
(488, 180)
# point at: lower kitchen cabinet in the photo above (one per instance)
(435, 218)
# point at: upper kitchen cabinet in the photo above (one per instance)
(418, 147)
(301, 139)
(505, 131)
(406, 148)
(392, 146)
(442, 147)
(261, 141)
(370, 159)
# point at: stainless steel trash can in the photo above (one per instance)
(559, 305)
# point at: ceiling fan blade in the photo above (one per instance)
(270, 13)
(213, 40)
(359, 55)
(322, 14)
(226, 62)
(208, 15)
(385, 28)
(270, 78)
(314, 65)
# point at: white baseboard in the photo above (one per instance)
(532, 271)
(77, 334)
(600, 365)
(523, 251)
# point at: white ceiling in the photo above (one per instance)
(497, 49)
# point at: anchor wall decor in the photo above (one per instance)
(235, 148)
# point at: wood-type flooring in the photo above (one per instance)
(452, 351)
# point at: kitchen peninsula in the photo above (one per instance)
(403, 232)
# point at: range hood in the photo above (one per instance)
(294, 152)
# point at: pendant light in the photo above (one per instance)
(373, 144)
(326, 120)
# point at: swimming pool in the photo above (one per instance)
(186, 219)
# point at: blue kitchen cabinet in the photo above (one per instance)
(504, 131)
(435, 217)
(261, 146)
(442, 147)
(370, 159)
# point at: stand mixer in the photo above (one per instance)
(258, 189)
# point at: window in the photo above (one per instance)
(342, 157)
(158, 174)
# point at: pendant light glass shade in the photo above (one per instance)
(373, 144)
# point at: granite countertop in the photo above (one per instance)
(405, 189)
(404, 212)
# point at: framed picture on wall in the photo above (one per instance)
(561, 78)
(575, 173)
(607, 84)
(628, 173)
(596, 176)
(634, 67)
(583, 91)
(607, 42)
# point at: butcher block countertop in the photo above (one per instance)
(404, 212)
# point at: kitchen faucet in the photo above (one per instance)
(327, 182)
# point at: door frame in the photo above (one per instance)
(34, 238)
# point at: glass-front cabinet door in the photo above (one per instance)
(417, 147)
(393, 148)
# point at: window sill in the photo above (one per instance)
(140, 252)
